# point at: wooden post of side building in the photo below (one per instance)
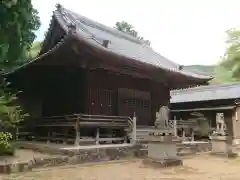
(77, 129)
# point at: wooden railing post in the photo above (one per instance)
(175, 126)
(192, 135)
(77, 132)
(134, 129)
(183, 134)
(66, 135)
(97, 136)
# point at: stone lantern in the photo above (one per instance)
(162, 143)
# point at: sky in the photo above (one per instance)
(184, 31)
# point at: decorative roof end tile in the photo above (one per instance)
(58, 6)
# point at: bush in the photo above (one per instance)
(6, 145)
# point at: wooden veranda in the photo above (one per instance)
(68, 129)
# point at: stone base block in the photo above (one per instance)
(219, 144)
(227, 155)
(162, 150)
(162, 163)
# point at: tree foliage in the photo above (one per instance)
(222, 75)
(231, 59)
(10, 113)
(6, 147)
(18, 21)
(129, 29)
(34, 50)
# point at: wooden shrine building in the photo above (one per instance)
(204, 103)
(85, 67)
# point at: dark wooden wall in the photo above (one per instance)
(51, 90)
(64, 91)
(101, 79)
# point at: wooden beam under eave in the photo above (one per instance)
(117, 63)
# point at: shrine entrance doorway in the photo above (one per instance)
(134, 101)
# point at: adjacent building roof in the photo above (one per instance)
(206, 93)
(117, 42)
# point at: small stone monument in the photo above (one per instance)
(219, 137)
(162, 144)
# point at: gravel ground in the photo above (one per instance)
(196, 168)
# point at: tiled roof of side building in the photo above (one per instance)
(119, 43)
(206, 93)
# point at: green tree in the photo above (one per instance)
(18, 21)
(34, 50)
(231, 59)
(128, 28)
(223, 75)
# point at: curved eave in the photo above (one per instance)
(39, 58)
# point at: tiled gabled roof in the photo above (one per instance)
(206, 93)
(119, 43)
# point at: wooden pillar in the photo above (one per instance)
(230, 126)
(77, 129)
(97, 136)
(66, 135)
(49, 134)
(125, 137)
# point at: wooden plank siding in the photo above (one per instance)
(122, 95)
(100, 101)
(132, 101)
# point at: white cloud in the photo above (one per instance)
(186, 31)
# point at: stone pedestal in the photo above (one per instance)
(222, 146)
(162, 151)
(219, 144)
